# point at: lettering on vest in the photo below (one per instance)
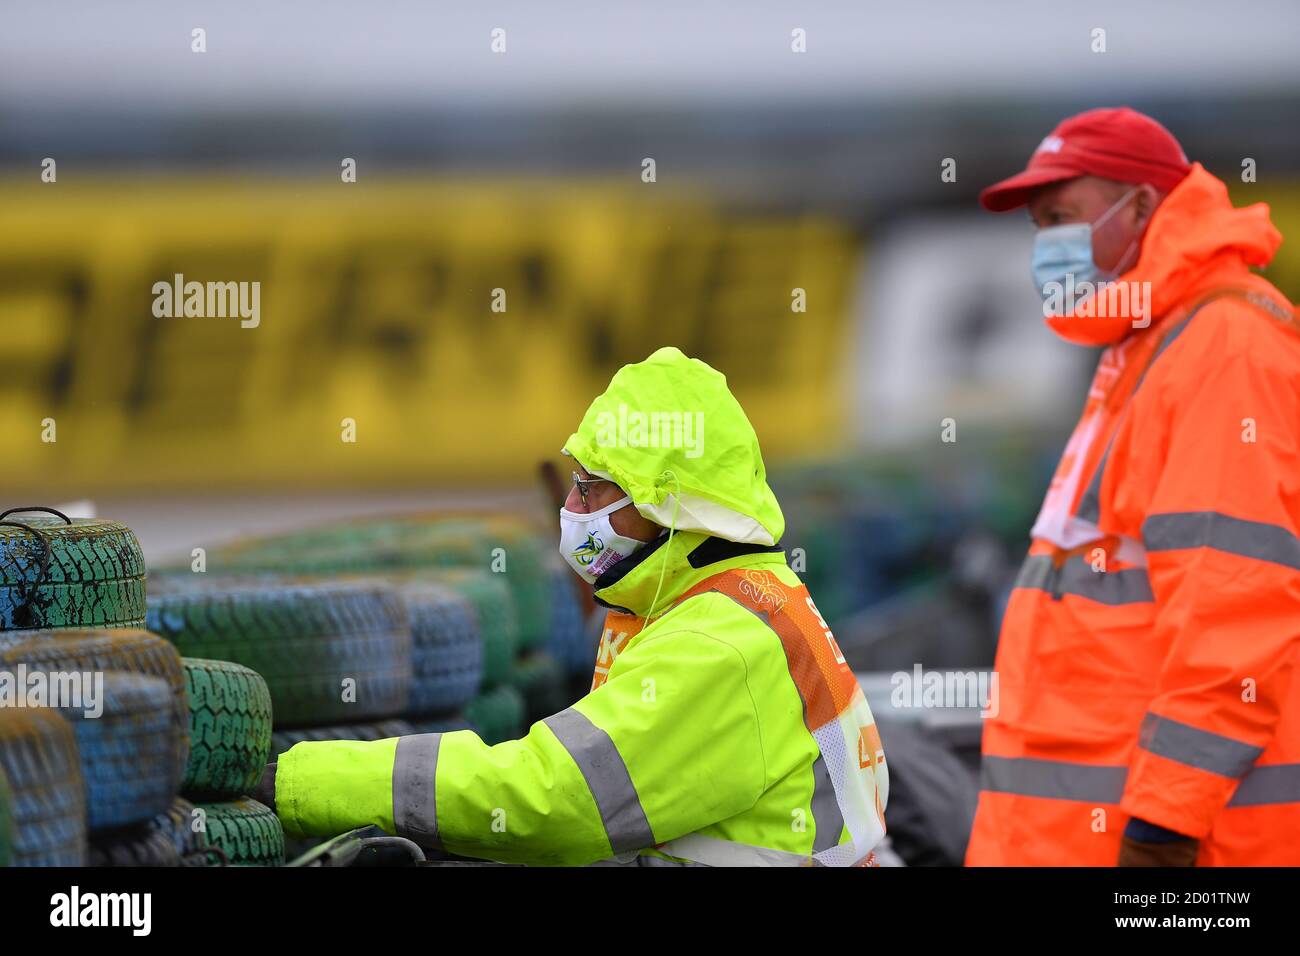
(619, 629)
(830, 638)
(870, 752)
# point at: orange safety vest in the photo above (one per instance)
(1148, 654)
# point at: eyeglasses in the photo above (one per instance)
(581, 484)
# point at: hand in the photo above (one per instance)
(1145, 844)
(1180, 853)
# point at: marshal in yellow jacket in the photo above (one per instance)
(724, 726)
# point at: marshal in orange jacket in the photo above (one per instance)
(1148, 657)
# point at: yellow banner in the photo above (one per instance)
(284, 333)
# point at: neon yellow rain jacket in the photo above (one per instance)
(728, 730)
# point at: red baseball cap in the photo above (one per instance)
(1117, 143)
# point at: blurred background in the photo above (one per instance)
(522, 170)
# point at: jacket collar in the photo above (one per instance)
(630, 585)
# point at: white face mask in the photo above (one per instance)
(589, 542)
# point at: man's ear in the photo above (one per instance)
(1144, 204)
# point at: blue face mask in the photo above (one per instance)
(1065, 250)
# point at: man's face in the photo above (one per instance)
(626, 520)
(1086, 199)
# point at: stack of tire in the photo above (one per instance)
(339, 658)
(98, 780)
(98, 783)
(230, 733)
(499, 563)
(332, 656)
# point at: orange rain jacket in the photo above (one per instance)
(1147, 661)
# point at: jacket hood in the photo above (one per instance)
(1196, 240)
(669, 432)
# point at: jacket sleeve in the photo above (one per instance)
(1224, 560)
(667, 745)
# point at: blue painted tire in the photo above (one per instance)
(446, 649)
(38, 756)
(129, 753)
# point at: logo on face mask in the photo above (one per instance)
(586, 552)
(589, 542)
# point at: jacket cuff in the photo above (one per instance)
(323, 788)
(285, 806)
(1174, 795)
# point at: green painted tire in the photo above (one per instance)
(283, 740)
(414, 543)
(541, 681)
(95, 576)
(247, 831)
(305, 638)
(497, 715)
(230, 729)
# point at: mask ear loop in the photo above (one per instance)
(677, 501)
(1105, 217)
(1119, 204)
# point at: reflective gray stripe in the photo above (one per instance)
(1058, 780)
(1195, 747)
(1053, 779)
(1285, 314)
(607, 778)
(1210, 529)
(415, 771)
(1077, 577)
(1273, 783)
(828, 821)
